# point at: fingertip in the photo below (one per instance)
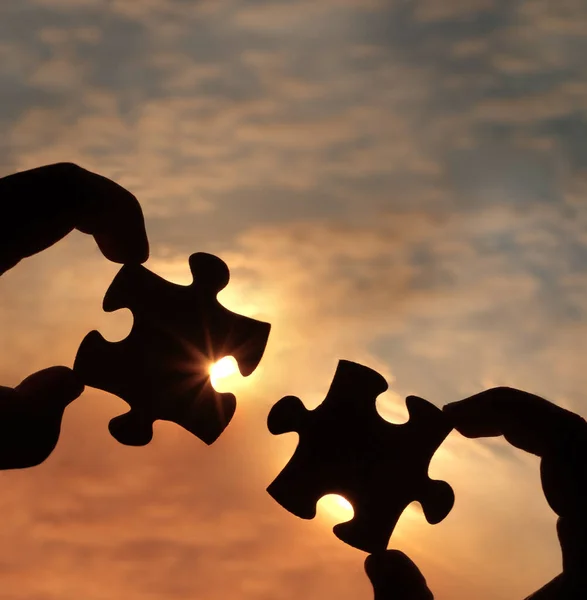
(481, 415)
(471, 404)
(58, 385)
(120, 231)
(113, 215)
(124, 247)
(462, 415)
(395, 575)
(526, 421)
(383, 563)
(466, 406)
(451, 407)
(450, 410)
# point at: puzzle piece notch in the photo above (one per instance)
(161, 369)
(346, 448)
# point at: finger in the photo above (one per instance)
(537, 426)
(57, 385)
(527, 421)
(572, 533)
(564, 480)
(554, 590)
(114, 217)
(395, 577)
(562, 588)
(31, 414)
(43, 205)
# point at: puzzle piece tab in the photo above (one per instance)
(346, 448)
(162, 368)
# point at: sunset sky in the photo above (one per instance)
(400, 183)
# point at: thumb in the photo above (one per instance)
(31, 414)
(395, 577)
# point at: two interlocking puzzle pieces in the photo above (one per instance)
(346, 448)
(162, 371)
(162, 368)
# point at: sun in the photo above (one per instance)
(337, 508)
(222, 369)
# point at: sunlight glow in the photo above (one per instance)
(223, 369)
(337, 508)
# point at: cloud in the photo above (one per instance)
(428, 10)
(399, 184)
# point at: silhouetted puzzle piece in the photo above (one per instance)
(346, 448)
(162, 368)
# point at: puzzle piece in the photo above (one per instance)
(346, 448)
(162, 368)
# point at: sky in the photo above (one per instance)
(398, 183)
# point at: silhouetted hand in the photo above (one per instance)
(537, 426)
(395, 577)
(40, 207)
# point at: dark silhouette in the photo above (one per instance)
(346, 448)
(43, 205)
(537, 426)
(162, 369)
(31, 414)
(40, 207)
(395, 577)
